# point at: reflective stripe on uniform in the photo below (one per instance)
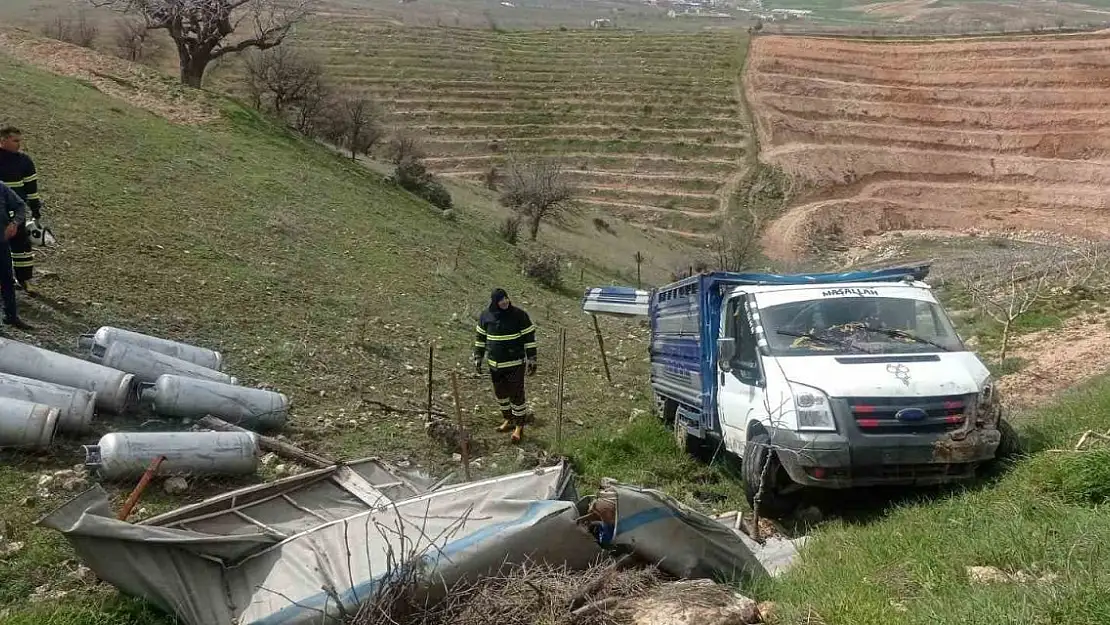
(504, 365)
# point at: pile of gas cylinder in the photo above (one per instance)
(44, 393)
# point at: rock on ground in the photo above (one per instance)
(693, 602)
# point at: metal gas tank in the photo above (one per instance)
(147, 364)
(76, 406)
(106, 335)
(27, 424)
(180, 396)
(125, 455)
(113, 387)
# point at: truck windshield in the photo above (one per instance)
(843, 325)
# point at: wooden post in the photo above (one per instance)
(559, 391)
(601, 346)
(639, 261)
(431, 365)
(144, 481)
(464, 436)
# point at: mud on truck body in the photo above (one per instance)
(844, 379)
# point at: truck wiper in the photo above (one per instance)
(905, 335)
(822, 339)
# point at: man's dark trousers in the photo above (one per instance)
(7, 280)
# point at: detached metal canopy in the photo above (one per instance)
(236, 571)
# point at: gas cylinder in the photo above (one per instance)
(27, 424)
(75, 406)
(126, 455)
(180, 396)
(107, 335)
(112, 387)
(148, 364)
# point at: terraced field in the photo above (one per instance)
(648, 123)
(991, 134)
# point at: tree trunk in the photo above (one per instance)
(192, 67)
(1005, 342)
(534, 227)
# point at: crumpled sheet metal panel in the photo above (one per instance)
(208, 579)
(178, 570)
(683, 541)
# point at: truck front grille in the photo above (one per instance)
(909, 415)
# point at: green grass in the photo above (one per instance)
(310, 272)
(1042, 517)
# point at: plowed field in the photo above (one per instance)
(648, 124)
(997, 135)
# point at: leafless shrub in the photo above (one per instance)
(281, 78)
(1010, 288)
(538, 190)
(491, 177)
(73, 28)
(361, 124)
(734, 245)
(543, 266)
(206, 30)
(404, 147)
(509, 230)
(530, 593)
(133, 40)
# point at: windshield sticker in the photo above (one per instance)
(849, 291)
(900, 371)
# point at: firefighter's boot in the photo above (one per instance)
(518, 433)
(505, 426)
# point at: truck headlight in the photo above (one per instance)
(813, 408)
(988, 403)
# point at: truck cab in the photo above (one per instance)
(820, 380)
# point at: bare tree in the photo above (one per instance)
(133, 41)
(354, 124)
(404, 147)
(206, 30)
(75, 29)
(310, 117)
(1023, 286)
(282, 77)
(537, 190)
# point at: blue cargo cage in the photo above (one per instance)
(685, 322)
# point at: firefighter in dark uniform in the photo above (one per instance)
(506, 340)
(12, 213)
(17, 170)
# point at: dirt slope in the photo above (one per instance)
(996, 135)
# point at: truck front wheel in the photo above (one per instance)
(772, 502)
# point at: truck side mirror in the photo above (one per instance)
(726, 350)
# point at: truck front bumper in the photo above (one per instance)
(838, 460)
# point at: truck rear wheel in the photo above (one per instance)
(772, 502)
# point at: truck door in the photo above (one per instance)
(741, 390)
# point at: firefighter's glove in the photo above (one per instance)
(531, 362)
(478, 364)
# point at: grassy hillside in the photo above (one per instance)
(310, 272)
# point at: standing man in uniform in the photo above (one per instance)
(13, 212)
(507, 341)
(17, 170)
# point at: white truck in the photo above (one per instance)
(834, 380)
